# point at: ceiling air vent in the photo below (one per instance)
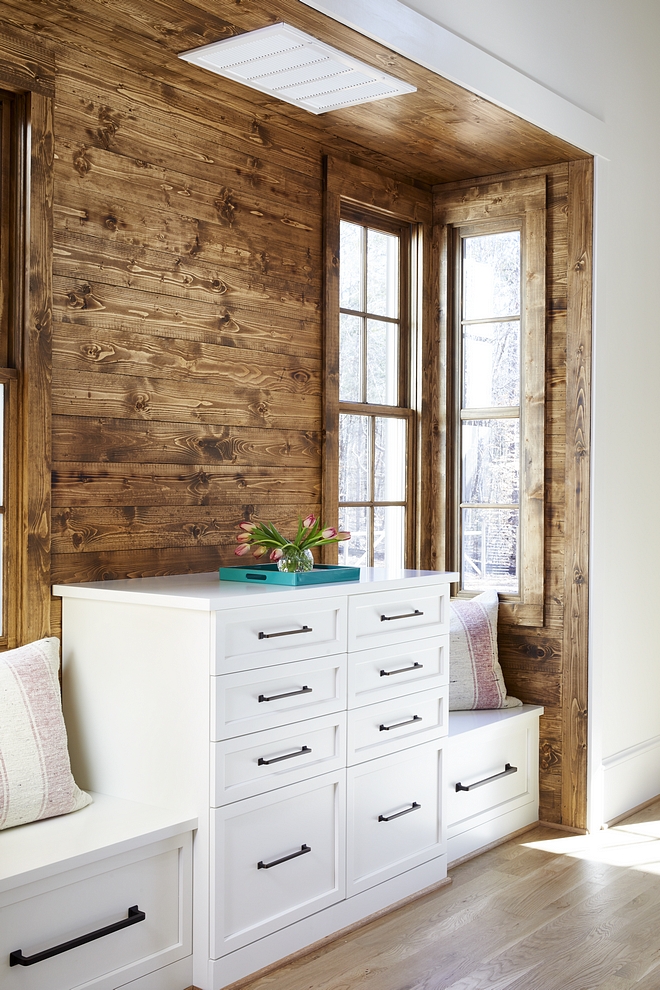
(282, 61)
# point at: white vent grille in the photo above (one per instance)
(282, 61)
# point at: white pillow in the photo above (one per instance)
(35, 771)
(475, 675)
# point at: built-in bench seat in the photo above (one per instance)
(494, 757)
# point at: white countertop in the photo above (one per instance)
(206, 593)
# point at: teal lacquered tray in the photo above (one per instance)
(269, 574)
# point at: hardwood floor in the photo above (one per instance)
(545, 911)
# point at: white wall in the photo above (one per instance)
(600, 56)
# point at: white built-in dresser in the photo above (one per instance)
(305, 729)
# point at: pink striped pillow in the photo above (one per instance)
(475, 675)
(35, 772)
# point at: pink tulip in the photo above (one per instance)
(276, 554)
(247, 526)
(329, 533)
(259, 551)
(242, 549)
(343, 536)
(244, 537)
(308, 521)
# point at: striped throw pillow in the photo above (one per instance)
(35, 772)
(475, 675)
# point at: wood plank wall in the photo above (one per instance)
(187, 319)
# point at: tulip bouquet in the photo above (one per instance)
(264, 538)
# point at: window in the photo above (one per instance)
(375, 416)
(496, 302)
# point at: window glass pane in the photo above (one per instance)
(382, 273)
(354, 456)
(350, 359)
(355, 520)
(351, 248)
(491, 275)
(390, 460)
(489, 557)
(389, 523)
(382, 362)
(491, 365)
(491, 461)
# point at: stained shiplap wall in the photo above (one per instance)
(187, 287)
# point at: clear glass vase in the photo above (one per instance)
(295, 560)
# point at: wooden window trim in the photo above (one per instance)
(353, 188)
(27, 70)
(488, 208)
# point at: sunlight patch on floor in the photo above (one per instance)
(635, 847)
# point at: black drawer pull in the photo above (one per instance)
(406, 615)
(401, 670)
(18, 959)
(390, 818)
(288, 694)
(508, 769)
(289, 632)
(276, 862)
(397, 725)
(277, 759)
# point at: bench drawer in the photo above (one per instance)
(47, 913)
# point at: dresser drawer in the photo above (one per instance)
(394, 815)
(270, 634)
(392, 671)
(275, 859)
(389, 617)
(485, 763)
(260, 762)
(252, 700)
(47, 913)
(397, 724)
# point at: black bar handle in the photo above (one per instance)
(401, 670)
(134, 916)
(277, 759)
(288, 694)
(508, 770)
(289, 632)
(406, 615)
(397, 725)
(390, 818)
(276, 862)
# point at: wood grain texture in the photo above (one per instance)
(578, 446)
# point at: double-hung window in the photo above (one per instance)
(375, 415)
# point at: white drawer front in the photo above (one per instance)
(392, 671)
(398, 724)
(262, 761)
(276, 831)
(263, 699)
(394, 815)
(389, 617)
(257, 637)
(45, 914)
(472, 758)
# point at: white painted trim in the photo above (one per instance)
(630, 777)
(423, 41)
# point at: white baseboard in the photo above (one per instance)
(630, 777)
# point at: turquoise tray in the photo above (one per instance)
(269, 574)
